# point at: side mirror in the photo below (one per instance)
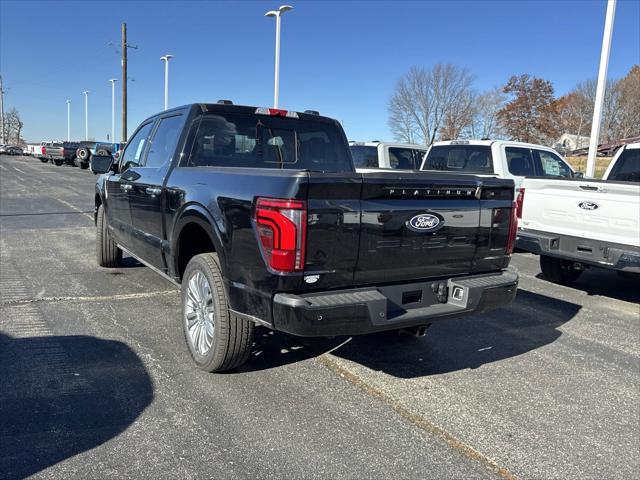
(578, 175)
(101, 164)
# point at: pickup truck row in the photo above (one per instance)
(260, 217)
(72, 153)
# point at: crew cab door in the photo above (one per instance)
(146, 196)
(119, 185)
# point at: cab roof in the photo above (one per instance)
(375, 143)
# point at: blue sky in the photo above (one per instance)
(342, 58)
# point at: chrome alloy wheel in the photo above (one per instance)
(199, 313)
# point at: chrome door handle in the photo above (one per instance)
(126, 187)
(153, 190)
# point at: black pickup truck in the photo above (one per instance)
(260, 217)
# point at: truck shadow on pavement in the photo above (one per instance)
(273, 349)
(606, 283)
(457, 344)
(470, 342)
(62, 396)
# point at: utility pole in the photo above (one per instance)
(68, 120)
(124, 82)
(2, 109)
(602, 85)
(125, 46)
(113, 109)
(86, 114)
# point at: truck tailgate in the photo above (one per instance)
(599, 210)
(421, 225)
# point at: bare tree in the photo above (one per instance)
(424, 101)
(13, 126)
(609, 106)
(485, 123)
(629, 104)
(401, 121)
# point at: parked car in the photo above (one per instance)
(3, 148)
(376, 155)
(13, 150)
(504, 159)
(259, 215)
(575, 224)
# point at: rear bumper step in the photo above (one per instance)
(374, 309)
(581, 250)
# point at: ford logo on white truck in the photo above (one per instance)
(586, 205)
(424, 222)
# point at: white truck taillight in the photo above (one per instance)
(282, 229)
(513, 226)
(519, 203)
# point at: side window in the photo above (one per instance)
(364, 157)
(520, 162)
(229, 141)
(163, 144)
(627, 167)
(552, 165)
(405, 158)
(133, 153)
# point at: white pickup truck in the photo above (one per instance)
(577, 223)
(371, 156)
(502, 158)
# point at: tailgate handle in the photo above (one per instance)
(590, 188)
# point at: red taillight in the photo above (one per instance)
(44, 150)
(513, 229)
(282, 229)
(277, 112)
(519, 203)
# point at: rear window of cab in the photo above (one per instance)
(460, 158)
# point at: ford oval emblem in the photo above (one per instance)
(424, 222)
(588, 205)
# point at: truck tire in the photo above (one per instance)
(58, 161)
(558, 271)
(83, 154)
(102, 152)
(217, 339)
(107, 252)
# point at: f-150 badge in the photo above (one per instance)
(424, 222)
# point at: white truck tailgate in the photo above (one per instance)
(606, 211)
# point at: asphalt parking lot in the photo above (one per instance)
(96, 382)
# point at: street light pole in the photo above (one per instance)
(113, 109)
(165, 59)
(86, 114)
(2, 140)
(278, 14)
(68, 120)
(600, 88)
